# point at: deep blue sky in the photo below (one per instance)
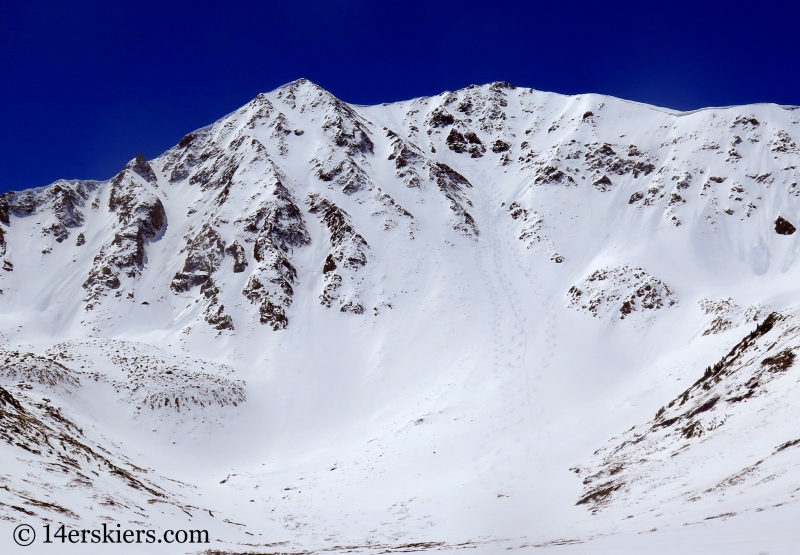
(85, 85)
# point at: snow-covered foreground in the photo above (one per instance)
(495, 319)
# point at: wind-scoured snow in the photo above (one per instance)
(493, 319)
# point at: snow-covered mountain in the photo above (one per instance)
(496, 319)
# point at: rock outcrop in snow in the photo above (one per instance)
(658, 453)
(620, 291)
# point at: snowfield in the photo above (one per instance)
(496, 319)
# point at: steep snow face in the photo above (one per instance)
(416, 323)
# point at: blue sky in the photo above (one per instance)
(85, 85)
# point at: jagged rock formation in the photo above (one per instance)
(231, 189)
(275, 228)
(623, 290)
(349, 252)
(140, 217)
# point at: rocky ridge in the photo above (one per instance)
(242, 178)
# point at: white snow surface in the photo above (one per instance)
(441, 324)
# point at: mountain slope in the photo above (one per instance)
(416, 322)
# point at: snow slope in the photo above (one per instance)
(438, 324)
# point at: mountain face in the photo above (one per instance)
(494, 318)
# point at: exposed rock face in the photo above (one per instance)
(61, 202)
(440, 117)
(4, 209)
(392, 212)
(192, 150)
(236, 251)
(204, 253)
(341, 170)
(415, 169)
(140, 218)
(500, 146)
(531, 230)
(142, 167)
(727, 314)
(452, 185)
(782, 142)
(603, 158)
(623, 289)
(465, 142)
(275, 228)
(564, 164)
(349, 253)
(784, 226)
(66, 204)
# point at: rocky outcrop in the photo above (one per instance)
(61, 203)
(393, 212)
(601, 158)
(4, 208)
(531, 230)
(340, 122)
(227, 159)
(214, 312)
(784, 226)
(565, 164)
(348, 254)
(484, 105)
(142, 168)
(620, 472)
(408, 160)
(236, 251)
(341, 161)
(346, 129)
(439, 117)
(44, 435)
(782, 142)
(67, 202)
(140, 218)
(620, 291)
(726, 314)
(414, 168)
(335, 167)
(192, 150)
(275, 228)
(452, 185)
(204, 253)
(468, 141)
